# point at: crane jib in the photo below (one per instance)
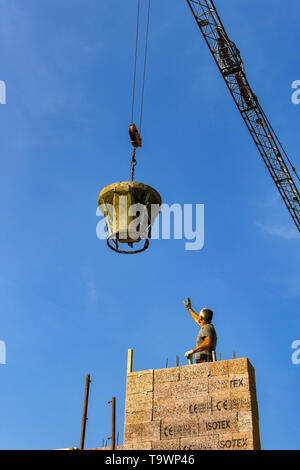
(230, 64)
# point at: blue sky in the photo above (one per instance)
(69, 306)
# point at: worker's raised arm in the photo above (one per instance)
(188, 306)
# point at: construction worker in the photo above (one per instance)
(207, 337)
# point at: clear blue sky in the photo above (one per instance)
(69, 306)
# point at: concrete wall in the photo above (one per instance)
(201, 406)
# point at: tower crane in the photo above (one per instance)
(229, 62)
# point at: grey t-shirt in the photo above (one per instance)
(207, 330)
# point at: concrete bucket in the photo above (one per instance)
(130, 209)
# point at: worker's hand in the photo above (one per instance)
(188, 303)
(189, 353)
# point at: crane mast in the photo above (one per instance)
(230, 64)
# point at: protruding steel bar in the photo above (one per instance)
(85, 407)
(113, 425)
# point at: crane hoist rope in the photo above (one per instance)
(134, 133)
(229, 62)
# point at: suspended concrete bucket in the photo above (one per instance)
(130, 210)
